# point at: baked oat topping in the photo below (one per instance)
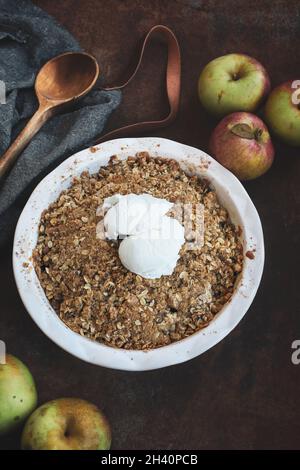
(97, 297)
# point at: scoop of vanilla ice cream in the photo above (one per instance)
(132, 214)
(152, 240)
(155, 252)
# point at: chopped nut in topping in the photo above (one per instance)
(97, 297)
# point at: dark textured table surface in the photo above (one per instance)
(244, 392)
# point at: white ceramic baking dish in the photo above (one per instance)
(231, 193)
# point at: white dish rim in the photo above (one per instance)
(232, 194)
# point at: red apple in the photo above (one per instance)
(283, 112)
(241, 142)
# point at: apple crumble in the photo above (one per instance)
(97, 297)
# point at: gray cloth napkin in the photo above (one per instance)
(28, 38)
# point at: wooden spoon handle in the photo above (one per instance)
(23, 139)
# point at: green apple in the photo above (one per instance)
(18, 397)
(67, 424)
(233, 82)
(282, 112)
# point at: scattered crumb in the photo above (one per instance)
(250, 254)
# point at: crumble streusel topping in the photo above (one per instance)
(97, 297)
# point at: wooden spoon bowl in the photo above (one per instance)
(60, 81)
(67, 77)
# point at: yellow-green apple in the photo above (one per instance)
(241, 142)
(282, 112)
(233, 82)
(67, 424)
(18, 397)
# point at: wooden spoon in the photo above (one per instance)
(60, 81)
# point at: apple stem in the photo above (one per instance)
(257, 134)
